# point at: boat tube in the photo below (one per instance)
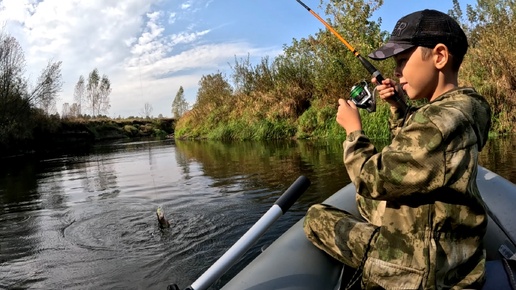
(293, 263)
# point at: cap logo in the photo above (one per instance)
(399, 28)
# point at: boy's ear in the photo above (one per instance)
(441, 56)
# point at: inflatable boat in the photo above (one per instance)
(292, 262)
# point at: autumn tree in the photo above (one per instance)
(214, 91)
(491, 58)
(179, 105)
(97, 93)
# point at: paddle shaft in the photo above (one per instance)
(234, 253)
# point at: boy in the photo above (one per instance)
(424, 217)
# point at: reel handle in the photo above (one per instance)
(402, 105)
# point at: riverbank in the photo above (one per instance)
(61, 135)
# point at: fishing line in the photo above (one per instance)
(159, 209)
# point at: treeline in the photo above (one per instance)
(92, 94)
(293, 95)
(296, 93)
(25, 108)
(28, 113)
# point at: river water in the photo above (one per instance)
(87, 220)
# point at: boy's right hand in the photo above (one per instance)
(386, 90)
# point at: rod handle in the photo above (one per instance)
(379, 78)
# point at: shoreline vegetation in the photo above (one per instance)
(78, 134)
(295, 95)
(291, 96)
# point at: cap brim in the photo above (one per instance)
(389, 49)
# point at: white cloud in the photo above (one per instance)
(172, 18)
(158, 82)
(186, 37)
(16, 10)
(186, 5)
(144, 51)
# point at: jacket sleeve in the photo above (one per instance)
(413, 163)
(395, 121)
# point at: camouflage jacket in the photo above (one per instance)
(421, 191)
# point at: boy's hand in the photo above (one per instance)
(348, 116)
(386, 90)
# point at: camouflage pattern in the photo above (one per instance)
(421, 191)
(338, 243)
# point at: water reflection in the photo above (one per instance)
(241, 167)
(18, 224)
(498, 156)
(88, 221)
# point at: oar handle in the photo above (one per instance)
(289, 197)
(283, 203)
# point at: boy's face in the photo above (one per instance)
(417, 75)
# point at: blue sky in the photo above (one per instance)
(148, 49)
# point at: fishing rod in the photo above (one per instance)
(282, 204)
(360, 95)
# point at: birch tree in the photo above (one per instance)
(97, 93)
(79, 95)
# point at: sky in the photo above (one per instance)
(149, 49)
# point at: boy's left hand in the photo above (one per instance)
(348, 116)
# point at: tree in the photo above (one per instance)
(65, 113)
(15, 108)
(44, 95)
(147, 110)
(23, 110)
(97, 93)
(12, 64)
(214, 91)
(179, 105)
(489, 64)
(78, 94)
(74, 110)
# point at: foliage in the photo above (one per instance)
(302, 85)
(489, 64)
(44, 95)
(299, 87)
(319, 122)
(179, 105)
(19, 113)
(292, 95)
(97, 93)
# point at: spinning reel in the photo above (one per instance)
(362, 97)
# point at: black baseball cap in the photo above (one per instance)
(424, 28)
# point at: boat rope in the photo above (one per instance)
(356, 276)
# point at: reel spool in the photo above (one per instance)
(362, 97)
